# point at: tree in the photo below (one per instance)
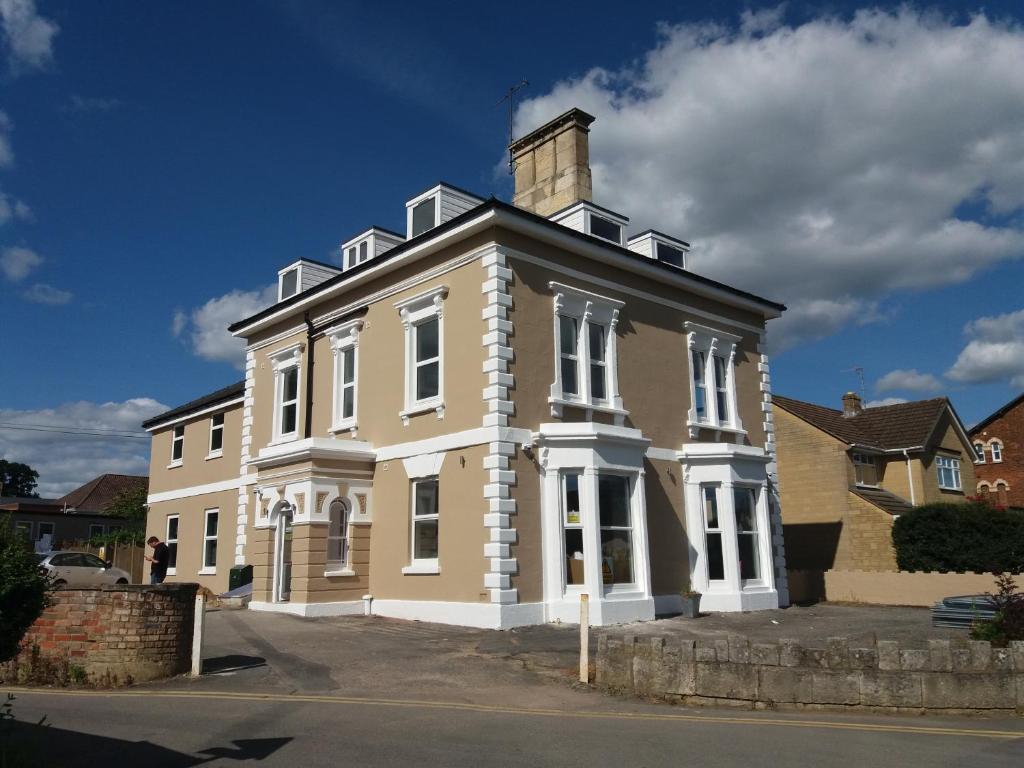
(18, 479)
(24, 590)
(130, 505)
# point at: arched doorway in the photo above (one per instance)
(281, 517)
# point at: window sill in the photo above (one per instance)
(280, 439)
(422, 568)
(206, 572)
(694, 428)
(172, 571)
(339, 572)
(558, 403)
(343, 426)
(434, 404)
(175, 464)
(214, 455)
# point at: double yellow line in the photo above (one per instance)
(983, 733)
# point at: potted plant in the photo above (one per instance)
(691, 601)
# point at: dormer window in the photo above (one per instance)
(660, 247)
(436, 206)
(670, 255)
(289, 283)
(593, 220)
(368, 245)
(604, 228)
(302, 275)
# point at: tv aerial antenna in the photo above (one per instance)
(859, 370)
(510, 97)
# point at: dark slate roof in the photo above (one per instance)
(494, 204)
(1019, 400)
(96, 495)
(886, 427)
(889, 502)
(220, 396)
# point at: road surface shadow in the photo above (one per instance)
(232, 662)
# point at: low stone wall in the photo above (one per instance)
(114, 635)
(944, 677)
(905, 587)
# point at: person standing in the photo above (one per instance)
(159, 560)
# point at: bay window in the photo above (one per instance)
(712, 380)
(713, 533)
(615, 521)
(745, 507)
(572, 529)
(423, 319)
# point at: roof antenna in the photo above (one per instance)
(859, 370)
(510, 97)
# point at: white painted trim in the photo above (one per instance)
(339, 572)
(422, 568)
(482, 615)
(233, 484)
(424, 465)
(663, 454)
(206, 572)
(311, 610)
(453, 441)
(194, 414)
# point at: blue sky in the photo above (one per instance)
(160, 162)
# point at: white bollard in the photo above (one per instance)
(198, 626)
(367, 605)
(584, 638)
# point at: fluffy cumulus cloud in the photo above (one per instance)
(16, 263)
(205, 328)
(822, 164)
(910, 379)
(42, 293)
(64, 461)
(28, 37)
(994, 351)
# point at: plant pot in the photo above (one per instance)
(691, 606)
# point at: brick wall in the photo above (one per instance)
(118, 634)
(1008, 429)
(943, 677)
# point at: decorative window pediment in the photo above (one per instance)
(713, 403)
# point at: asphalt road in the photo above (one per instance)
(177, 728)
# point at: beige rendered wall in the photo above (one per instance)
(653, 367)
(528, 548)
(196, 468)
(191, 521)
(309, 563)
(949, 444)
(668, 541)
(905, 588)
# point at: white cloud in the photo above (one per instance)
(994, 352)
(29, 37)
(41, 293)
(910, 379)
(817, 163)
(808, 319)
(16, 262)
(884, 401)
(66, 461)
(206, 327)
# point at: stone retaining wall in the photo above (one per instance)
(115, 634)
(946, 676)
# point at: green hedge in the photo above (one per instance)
(973, 536)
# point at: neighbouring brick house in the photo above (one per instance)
(999, 444)
(844, 476)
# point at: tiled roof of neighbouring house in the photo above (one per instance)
(886, 427)
(96, 495)
(889, 502)
(221, 395)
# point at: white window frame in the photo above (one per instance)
(756, 534)
(172, 570)
(952, 464)
(216, 453)
(40, 533)
(635, 562)
(996, 447)
(177, 445)
(423, 565)
(341, 567)
(413, 312)
(284, 360)
(711, 342)
(206, 569)
(569, 525)
(716, 490)
(344, 340)
(979, 452)
(586, 309)
(862, 459)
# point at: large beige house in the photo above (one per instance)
(481, 420)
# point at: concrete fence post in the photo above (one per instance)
(584, 638)
(198, 627)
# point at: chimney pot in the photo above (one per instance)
(552, 164)
(852, 404)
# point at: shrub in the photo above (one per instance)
(1008, 622)
(24, 590)
(974, 536)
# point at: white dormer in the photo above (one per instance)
(593, 220)
(369, 245)
(655, 245)
(302, 275)
(436, 206)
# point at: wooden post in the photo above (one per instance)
(198, 625)
(584, 638)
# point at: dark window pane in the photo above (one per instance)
(172, 528)
(597, 383)
(603, 228)
(426, 498)
(570, 386)
(613, 500)
(425, 539)
(210, 554)
(289, 283)
(91, 561)
(351, 256)
(744, 501)
(573, 555)
(426, 340)
(291, 384)
(211, 524)
(711, 508)
(427, 383)
(288, 419)
(218, 420)
(749, 561)
(348, 405)
(716, 563)
(363, 250)
(172, 551)
(572, 499)
(176, 450)
(567, 334)
(217, 439)
(616, 557)
(670, 255)
(596, 333)
(423, 216)
(348, 374)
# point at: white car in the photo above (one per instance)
(81, 569)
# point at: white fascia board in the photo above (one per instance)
(591, 431)
(314, 448)
(568, 241)
(715, 451)
(195, 414)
